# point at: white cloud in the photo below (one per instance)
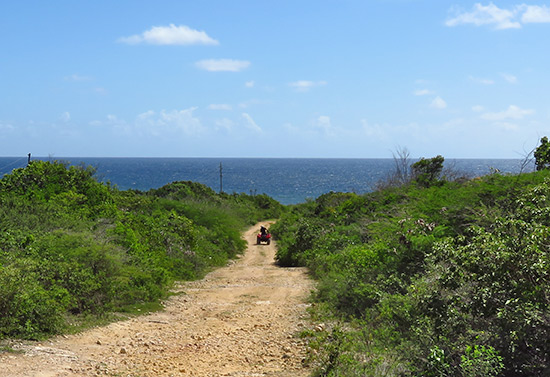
(507, 126)
(290, 128)
(221, 106)
(170, 35)
(249, 84)
(251, 124)
(510, 78)
(477, 108)
(224, 124)
(397, 134)
(535, 14)
(438, 103)
(222, 65)
(111, 120)
(454, 123)
(482, 80)
(421, 82)
(6, 127)
(501, 18)
(115, 123)
(252, 102)
(76, 77)
(324, 123)
(101, 91)
(305, 85)
(486, 15)
(512, 112)
(422, 92)
(65, 117)
(373, 130)
(166, 123)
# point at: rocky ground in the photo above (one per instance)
(240, 320)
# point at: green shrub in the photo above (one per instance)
(27, 309)
(84, 248)
(481, 361)
(447, 279)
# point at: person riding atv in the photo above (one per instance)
(263, 236)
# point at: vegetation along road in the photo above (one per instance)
(240, 320)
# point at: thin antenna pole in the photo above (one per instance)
(221, 178)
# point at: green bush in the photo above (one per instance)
(71, 247)
(27, 309)
(446, 279)
(481, 361)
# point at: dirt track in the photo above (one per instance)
(241, 320)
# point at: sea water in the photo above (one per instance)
(288, 180)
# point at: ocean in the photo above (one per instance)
(288, 180)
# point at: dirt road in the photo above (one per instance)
(240, 320)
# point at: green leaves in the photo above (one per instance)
(542, 154)
(72, 247)
(481, 361)
(27, 308)
(426, 172)
(448, 279)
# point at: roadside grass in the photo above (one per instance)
(9, 349)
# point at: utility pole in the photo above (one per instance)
(221, 179)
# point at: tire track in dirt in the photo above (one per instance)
(240, 320)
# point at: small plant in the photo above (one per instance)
(438, 364)
(8, 349)
(481, 361)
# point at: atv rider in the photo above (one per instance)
(263, 230)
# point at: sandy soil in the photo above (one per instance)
(241, 320)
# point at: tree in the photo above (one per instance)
(427, 171)
(542, 154)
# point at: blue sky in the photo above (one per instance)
(220, 78)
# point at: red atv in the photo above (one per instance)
(263, 236)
